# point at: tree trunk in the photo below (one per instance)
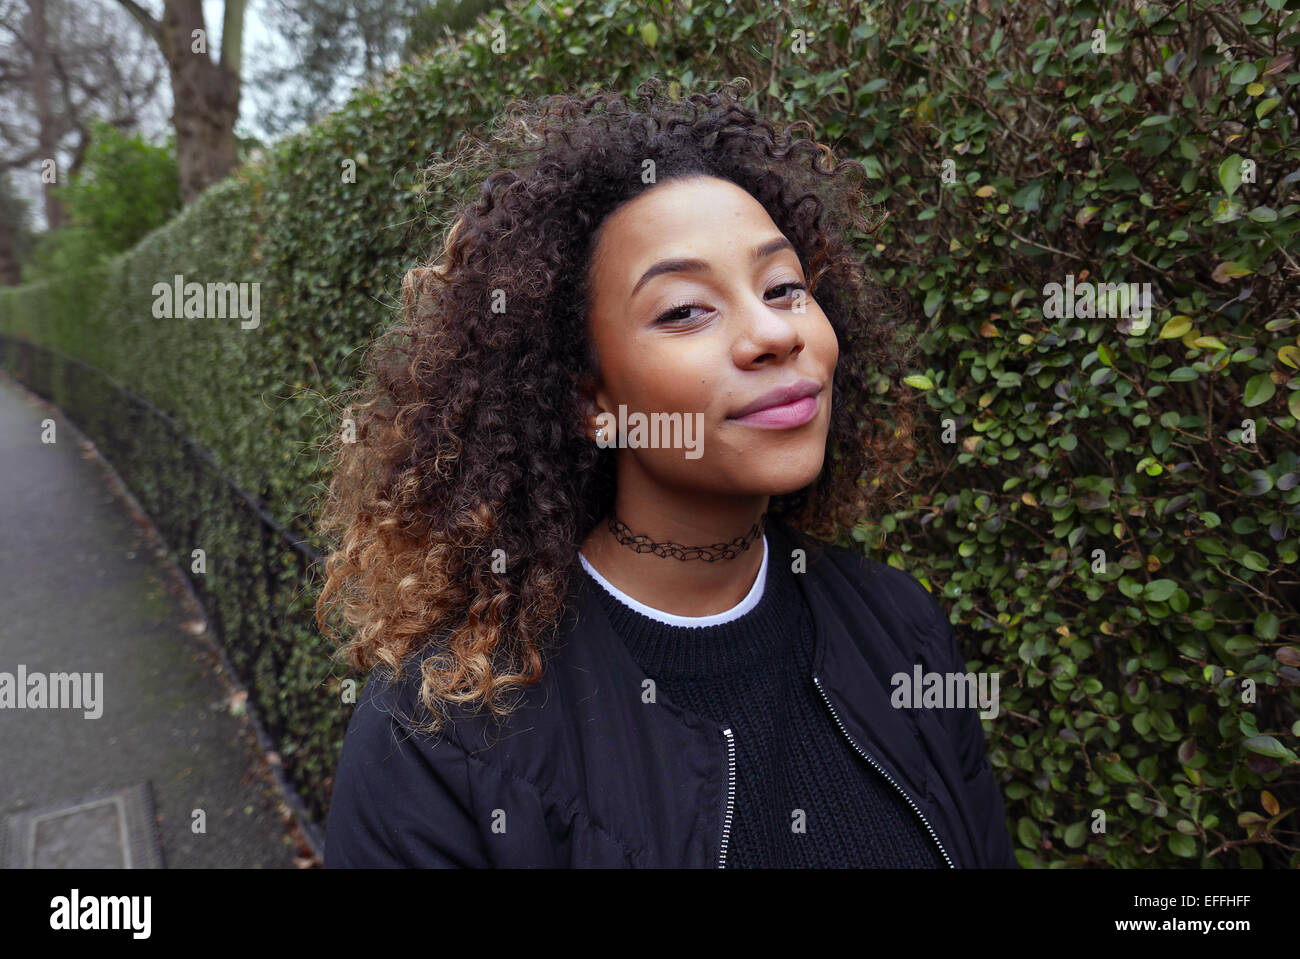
(205, 93)
(206, 100)
(46, 122)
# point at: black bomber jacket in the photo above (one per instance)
(584, 773)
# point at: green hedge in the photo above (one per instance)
(1087, 503)
(1095, 510)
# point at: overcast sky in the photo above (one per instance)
(262, 44)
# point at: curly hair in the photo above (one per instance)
(469, 425)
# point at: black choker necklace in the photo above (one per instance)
(710, 554)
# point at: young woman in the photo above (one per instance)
(585, 523)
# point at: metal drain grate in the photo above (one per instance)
(116, 830)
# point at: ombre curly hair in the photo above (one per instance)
(469, 427)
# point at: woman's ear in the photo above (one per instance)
(589, 388)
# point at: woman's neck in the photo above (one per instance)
(691, 587)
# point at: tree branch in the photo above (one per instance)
(232, 36)
(151, 26)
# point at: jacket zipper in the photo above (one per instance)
(901, 792)
(731, 792)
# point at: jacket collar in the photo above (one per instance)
(858, 648)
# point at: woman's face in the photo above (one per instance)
(711, 337)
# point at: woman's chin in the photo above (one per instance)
(792, 480)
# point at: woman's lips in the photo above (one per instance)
(782, 417)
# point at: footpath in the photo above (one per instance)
(154, 763)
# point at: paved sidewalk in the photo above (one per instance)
(83, 590)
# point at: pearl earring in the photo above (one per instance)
(600, 434)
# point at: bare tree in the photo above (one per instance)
(62, 66)
(205, 92)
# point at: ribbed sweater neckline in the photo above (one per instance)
(742, 645)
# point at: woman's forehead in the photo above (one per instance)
(677, 218)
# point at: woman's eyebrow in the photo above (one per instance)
(699, 266)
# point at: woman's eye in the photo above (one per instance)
(672, 316)
(790, 286)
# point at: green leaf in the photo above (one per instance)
(1244, 73)
(1121, 178)
(1180, 601)
(920, 381)
(1180, 845)
(1266, 626)
(1027, 197)
(1268, 746)
(1259, 389)
(1241, 646)
(1076, 834)
(1253, 560)
(1121, 772)
(1230, 173)
(1115, 437)
(1160, 589)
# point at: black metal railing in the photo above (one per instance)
(255, 583)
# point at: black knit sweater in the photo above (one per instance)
(754, 674)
